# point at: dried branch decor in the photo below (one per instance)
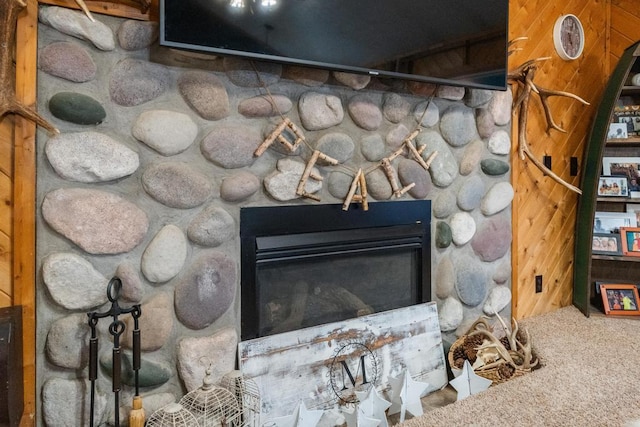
(287, 130)
(9, 104)
(523, 77)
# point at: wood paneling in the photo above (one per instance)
(544, 211)
(625, 27)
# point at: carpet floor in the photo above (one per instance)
(590, 377)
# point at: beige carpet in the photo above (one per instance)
(590, 377)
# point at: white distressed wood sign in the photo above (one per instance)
(324, 366)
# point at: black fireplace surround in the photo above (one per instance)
(306, 265)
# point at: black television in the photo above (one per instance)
(451, 42)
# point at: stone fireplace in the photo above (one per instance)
(303, 266)
(154, 167)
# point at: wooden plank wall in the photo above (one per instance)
(625, 28)
(544, 211)
(6, 200)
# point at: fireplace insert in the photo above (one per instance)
(307, 265)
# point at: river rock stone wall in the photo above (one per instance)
(154, 159)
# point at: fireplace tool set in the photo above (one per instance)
(116, 329)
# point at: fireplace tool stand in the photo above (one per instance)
(116, 328)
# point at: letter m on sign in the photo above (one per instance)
(349, 374)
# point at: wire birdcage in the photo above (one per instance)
(211, 405)
(247, 393)
(172, 415)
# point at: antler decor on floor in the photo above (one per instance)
(523, 77)
(9, 104)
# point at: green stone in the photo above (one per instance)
(494, 167)
(443, 235)
(151, 374)
(76, 108)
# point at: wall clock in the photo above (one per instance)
(568, 37)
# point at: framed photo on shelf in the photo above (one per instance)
(634, 208)
(617, 131)
(620, 299)
(606, 244)
(630, 237)
(612, 222)
(613, 186)
(624, 166)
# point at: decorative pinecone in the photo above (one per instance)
(459, 362)
(458, 353)
(505, 371)
(469, 346)
(505, 343)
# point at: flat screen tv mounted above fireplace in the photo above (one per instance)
(307, 265)
(406, 39)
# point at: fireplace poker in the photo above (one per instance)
(116, 328)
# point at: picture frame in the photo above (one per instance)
(634, 208)
(620, 299)
(630, 237)
(612, 222)
(606, 244)
(617, 131)
(613, 186)
(624, 166)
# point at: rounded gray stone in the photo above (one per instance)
(77, 24)
(365, 112)
(67, 340)
(444, 167)
(97, 221)
(205, 93)
(265, 106)
(167, 132)
(445, 278)
(239, 187)
(90, 157)
(220, 348)
(475, 98)
(155, 323)
(354, 81)
(164, 256)
(134, 82)
(135, 35)
(206, 291)
(471, 285)
(76, 108)
(463, 227)
(132, 288)
(320, 111)
(373, 147)
(282, 183)
(484, 123)
(427, 114)
(337, 145)
(494, 167)
(498, 198)
(339, 183)
(471, 157)
(246, 73)
(395, 107)
(444, 204)
(452, 93)
(212, 227)
(410, 172)
(152, 373)
(458, 125)
(73, 282)
(443, 235)
(450, 314)
(68, 61)
(470, 193)
(231, 146)
(500, 143)
(64, 402)
(176, 185)
(493, 239)
(307, 76)
(378, 185)
(500, 107)
(396, 136)
(499, 298)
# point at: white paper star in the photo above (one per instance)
(405, 396)
(357, 418)
(468, 382)
(373, 405)
(301, 417)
